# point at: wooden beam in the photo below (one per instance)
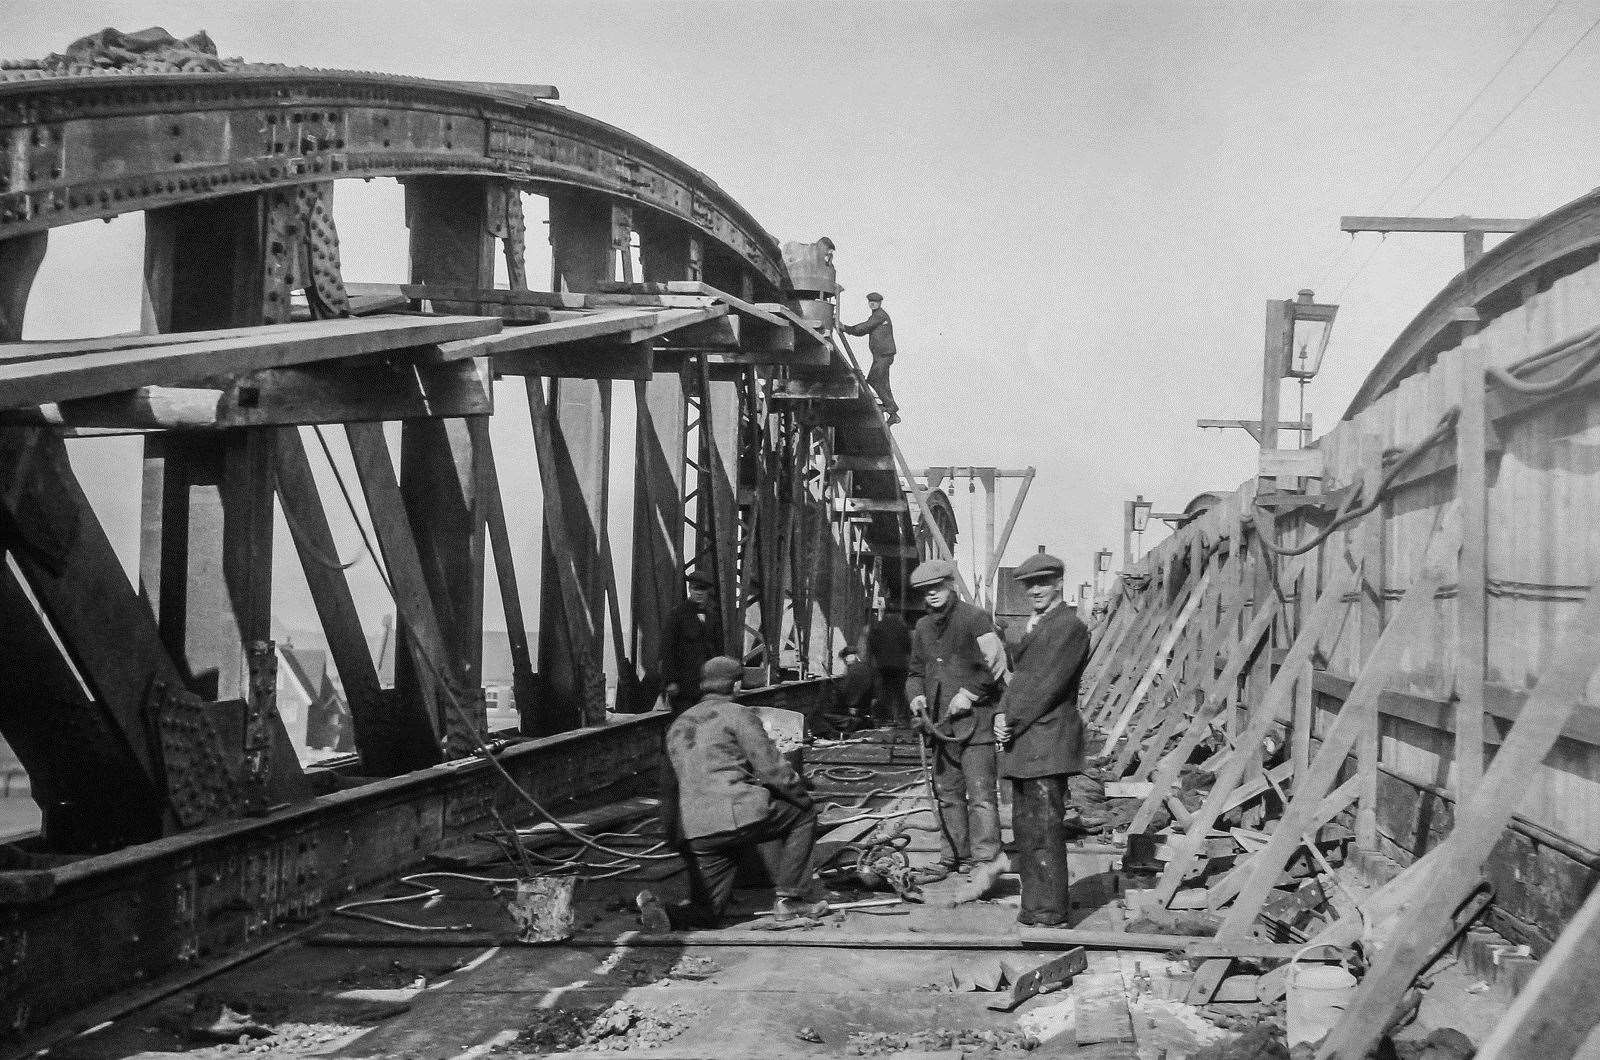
(34, 373)
(1413, 619)
(524, 684)
(1360, 223)
(1472, 567)
(423, 641)
(658, 529)
(336, 608)
(586, 359)
(1557, 1010)
(815, 390)
(1480, 819)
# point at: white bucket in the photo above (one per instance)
(1318, 994)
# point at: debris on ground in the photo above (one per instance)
(884, 1043)
(1263, 1042)
(641, 969)
(624, 1025)
(807, 1034)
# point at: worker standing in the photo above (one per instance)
(879, 330)
(727, 789)
(955, 667)
(889, 649)
(693, 635)
(1041, 735)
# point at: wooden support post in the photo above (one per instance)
(1480, 820)
(1471, 577)
(425, 701)
(452, 244)
(657, 518)
(524, 684)
(336, 609)
(1322, 625)
(720, 431)
(1372, 550)
(1413, 619)
(571, 663)
(1158, 662)
(579, 421)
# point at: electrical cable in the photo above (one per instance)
(350, 504)
(1448, 129)
(1507, 117)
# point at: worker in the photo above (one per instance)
(879, 330)
(853, 691)
(1040, 733)
(727, 789)
(693, 635)
(889, 648)
(954, 674)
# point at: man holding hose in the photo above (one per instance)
(1041, 735)
(954, 680)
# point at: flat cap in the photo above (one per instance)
(720, 673)
(1037, 566)
(874, 297)
(932, 572)
(702, 579)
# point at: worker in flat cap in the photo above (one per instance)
(693, 634)
(956, 666)
(1040, 733)
(879, 330)
(729, 790)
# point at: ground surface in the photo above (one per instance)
(771, 1000)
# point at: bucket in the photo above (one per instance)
(542, 909)
(1318, 995)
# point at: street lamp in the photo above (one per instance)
(1313, 324)
(1135, 517)
(1102, 564)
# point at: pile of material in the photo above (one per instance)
(147, 51)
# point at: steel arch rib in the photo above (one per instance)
(91, 147)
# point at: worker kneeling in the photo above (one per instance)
(730, 790)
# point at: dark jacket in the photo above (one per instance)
(854, 688)
(889, 642)
(879, 330)
(946, 657)
(690, 638)
(726, 771)
(1041, 699)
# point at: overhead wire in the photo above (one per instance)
(1492, 130)
(1455, 122)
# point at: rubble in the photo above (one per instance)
(622, 1026)
(970, 1042)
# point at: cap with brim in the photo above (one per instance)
(720, 671)
(931, 572)
(874, 297)
(1039, 566)
(701, 579)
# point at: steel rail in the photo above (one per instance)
(79, 148)
(1490, 286)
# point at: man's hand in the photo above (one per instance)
(919, 705)
(962, 703)
(1002, 731)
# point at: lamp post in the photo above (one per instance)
(1135, 517)
(1102, 564)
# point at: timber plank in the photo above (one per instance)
(1480, 819)
(35, 373)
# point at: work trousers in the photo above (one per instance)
(964, 778)
(783, 838)
(878, 379)
(889, 701)
(1038, 805)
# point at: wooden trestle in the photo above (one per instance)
(144, 711)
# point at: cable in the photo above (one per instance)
(350, 504)
(1507, 117)
(1454, 123)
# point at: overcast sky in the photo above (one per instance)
(1076, 211)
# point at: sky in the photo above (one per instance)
(1076, 211)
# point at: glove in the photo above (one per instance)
(1002, 731)
(961, 703)
(919, 705)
